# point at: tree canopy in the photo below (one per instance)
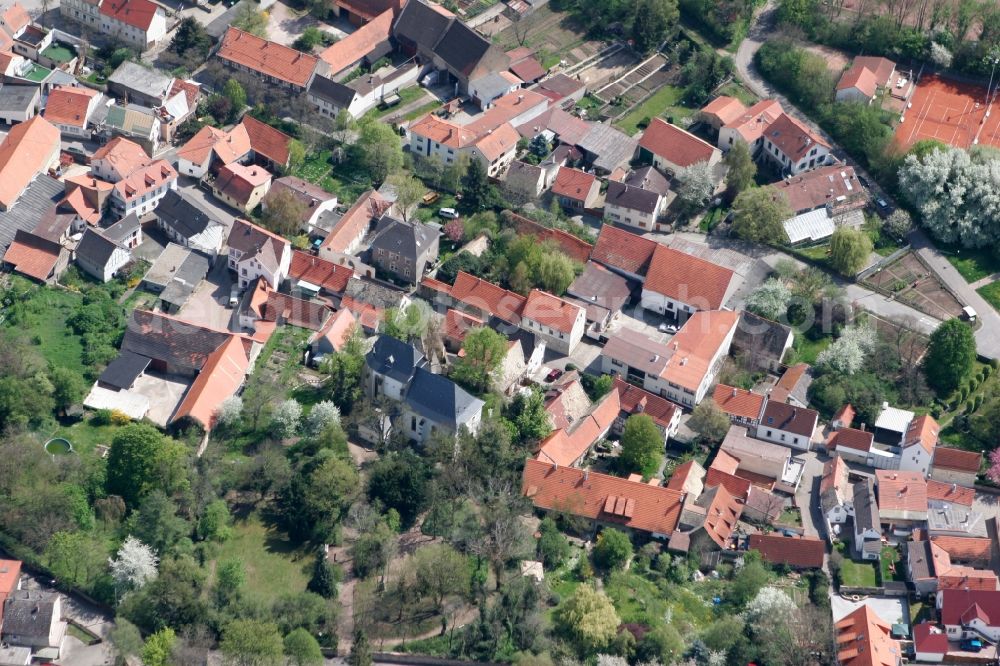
(951, 355)
(759, 213)
(642, 445)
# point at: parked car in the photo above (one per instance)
(553, 375)
(667, 328)
(430, 198)
(971, 645)
(448, 213)
(234, 296)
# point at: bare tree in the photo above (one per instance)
(504, 535)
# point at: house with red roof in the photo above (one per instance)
(559, 323)
(255, 252)
(242, 187)
(360, 12)
(570, 445)
(576, 190)
(139, 23)
(862, 81)
(970, 613)
(333, 335)
(602, 499)
(29, 149)
(707, 522)
(742, 406)
(70, 108)
(275, 63)
(679, 284)
(345, 239)
(363, 46)
(787, 425)
(799, 552)
(671, 149)
(623, 252)
(902, 497)
(486, 300)
(793, 146)
(634, 400)
(918, 445)
(836, 496)
(865, 639)
(956, 466)
(315, 275)
(930, 643)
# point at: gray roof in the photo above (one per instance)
(492, 85)
(632, 198)
(166, 265)
(329, 90)
(394, 358)
(375, 294)
(411, 240)
(185, 346)
(145, 80)
(638, 351)
(600, 286)
(182, 215)
(122, 229)
(95, 248)
(648, 178)
(219, 25)
(462, 48)
(918, 557)
(761, 336)
(29, 614)
(608, 147)
(122, 372)
(30, 208)
(420, 25)
(18, 98)
(441, 400)
(186, 279)
(865, 507)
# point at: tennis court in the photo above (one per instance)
(950, 112)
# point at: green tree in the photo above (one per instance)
(642, 445)
(655, 21)
(709, 421)
(663, 645)
(252, 21)
(400, 482)
(556, 272)
(296, 154)
(310, 38)
(283, 213)
(361, 649)
(849, 250)
(553, 547)
(237, 96)
(441, 572)
(214, 522)
(742, 168)
(156, 522)
(951, 355)
(485, 350)
(530, 418)
(343, 372)
(141, 459)
(302, 649)
(190, 39)
(67, 388)
(126, 639)
(588, 619)
(613, 549)
(314, 501)
(158, 648)
(759, 213)
(230, 577)
(381, 150)
(748, 582)
(477, 192)
(409, 193)
(323, 580)
(75, 557)
(252, 643)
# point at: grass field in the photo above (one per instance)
(664, 103)
(890, 558)
(57, 343)
(858, 574)
(991, 293)
(973, 264)
(86, 437)
(274, 567)
(806, 350)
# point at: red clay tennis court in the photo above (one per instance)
(950, 112)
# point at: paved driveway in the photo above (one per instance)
(894, 610)
(208, 305)
(206, 201)
(807, 495)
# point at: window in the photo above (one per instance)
(782, 436)
(413, 423)
(795, 440)
(770, 433)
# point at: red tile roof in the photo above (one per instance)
(682, 473)
(696, 345)
(269, 58)
(32, 256)
(266, 140)
(929, 639)
(15, 16)
(10, 576)
(457, 324)
(967, 578)
(957, 460)
(337, 330)
(738, 402)
(737, 486)
(573, 184)
(500, 141)
(367, 314)
(864, 639)
(957, 604)
(551, 311)
(725, 462)
(369, 9)
(635, 400)
(358, 44)
(834, 477)
(625, 251)
(239, 182)
(674, 144)
(567, 446)
(965, 548)
(950, 492)
(443, 132)
(845, 415)
(861, 78)
(791, 376)
(726, 109)
(297, 312)
(355, 221)
(922, 431)
(145, 179)
(136, 13)
(67, 105)
(901, 491)
(688, 279)
(220, 378)
(601, 497)
(325, 274)
(25, 153)
(797, 420)
(573, 247)
(756, 119)
(803, 552)
(527, 68)
(488, 297)
(793, 137)
(721, 516)
(835, 186)
(851, 438)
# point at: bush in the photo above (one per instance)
(613, 549)
(102, 417)
(119, 417)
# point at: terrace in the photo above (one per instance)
(59, 53)
(36, 73)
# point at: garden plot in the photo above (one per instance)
(910, 282)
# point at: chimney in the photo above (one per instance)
(862, 427)
(734, 391)
(586, 475)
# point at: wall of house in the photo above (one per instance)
(915, 459)
(633, 218)
(783, 437)
(13, 117)
(816, 157)
(191, 169)
(563, 343)
(852, 95)
(497, 167)
(952, 476)
(141, 205)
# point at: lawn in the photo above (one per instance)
(58, 52)
(406, 96)
(892, 568)
(712, 218)
(806, 350)
(739, 92)
(57, 343)
(422, 111)
(664, 102)
(791, 516)
(991, 293)
(636, 599)
(86, 437)
(858, 574)
(37, 73)
(973, 264)
(274, 567)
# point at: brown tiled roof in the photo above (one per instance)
(681, 474)
(721, 516)
(191, 90)
(24, 154)
(443, 132)
(355, 221)
(136, 13)
(32, 256)
(488, 297)
(266, 140)
(239, 182)
(688, 279)
(738, 402)
(901, 491)
(298, 312)
(803, 552)
(269, 58)
(551, 311)
(337, 329)
(457, 324)
(851, 438)
(881, 67)
(15, 16)
(864, 639)
(67, 105)
(725, 462)
(821, 187)
(527, 68)
(124, 155)
(252, 240)
(950, 492)
(737, 486)
(695, 346)
(358, 44)
(957, 459)
(573, 247)
(726, 109)
(793, 137)
(219, 378)
(756, 119)
(861, 78)
(834, 478)
(601, 497)
(957, 604)
(369, 9)
(845, 415)
(965, 548)
(320, 272)
(674, 144)
(635, 400)
(796, 420)
(625, 251)
(145, 179)
(567, 445)
(573, 183)
(501, 140)
(922, 431)
(928, 638)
